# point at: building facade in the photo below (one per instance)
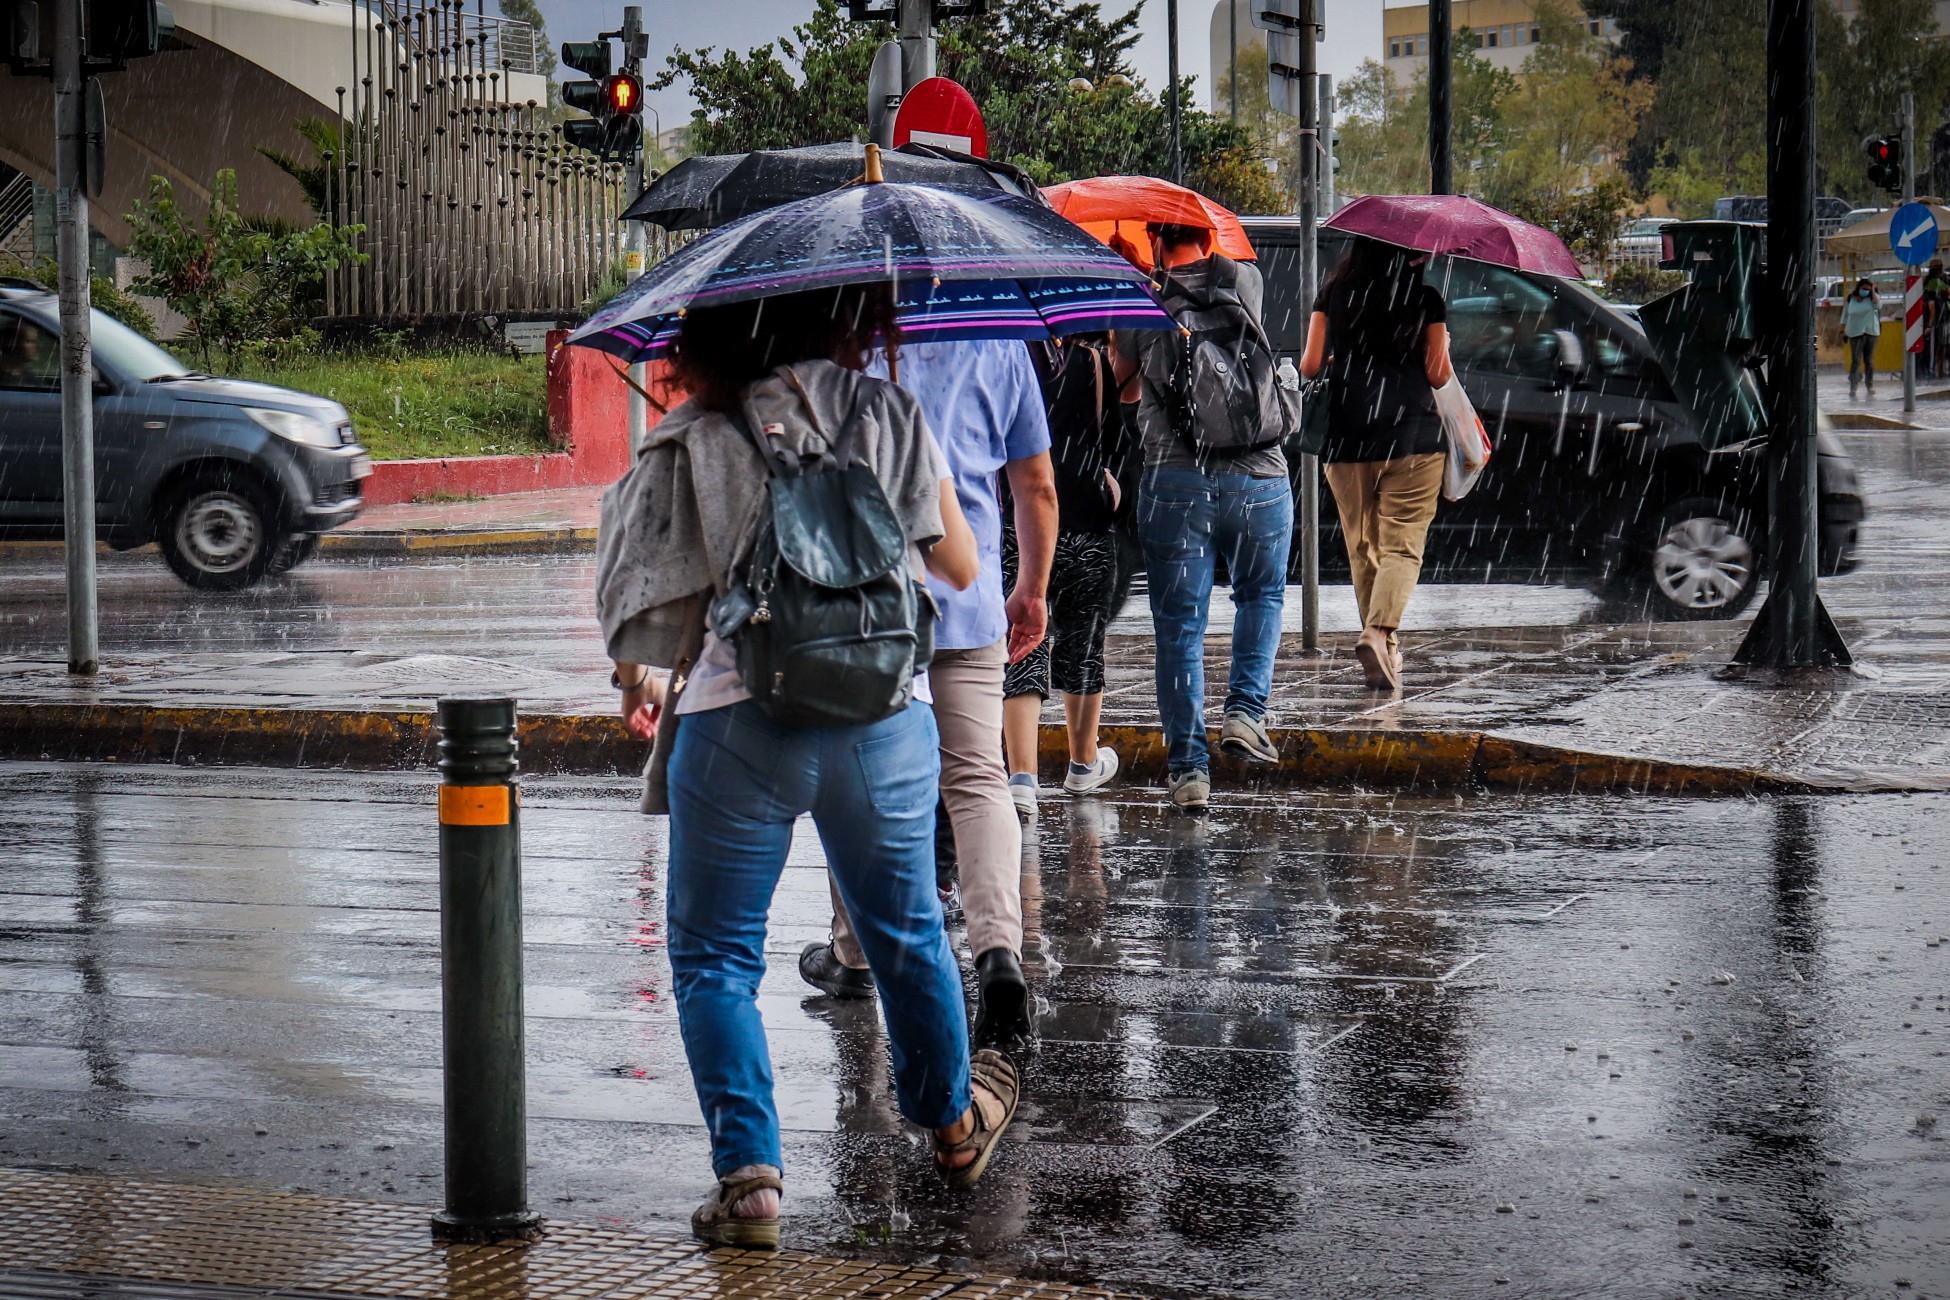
(1504, 31)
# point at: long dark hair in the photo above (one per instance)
(722, 351)
(1371, 299)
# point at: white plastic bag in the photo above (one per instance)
(1467, 446)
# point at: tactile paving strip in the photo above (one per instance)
(129, 1237)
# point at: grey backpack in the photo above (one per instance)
(1221, 393)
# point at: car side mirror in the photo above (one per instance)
(1571, 363)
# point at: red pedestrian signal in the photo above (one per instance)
(1885, 155)
(623, 93)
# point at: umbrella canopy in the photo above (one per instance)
(1457, 226)
(968, 264)
(1869, 237)
(713, 189)
(1122, 205)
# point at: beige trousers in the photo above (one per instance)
(1385, 508)
(967, 690)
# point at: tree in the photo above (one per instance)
(1018, 61)
(231, 279)
(1867, 62)
(314, 176)
(1384, 132)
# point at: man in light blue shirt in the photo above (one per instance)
(984, 404)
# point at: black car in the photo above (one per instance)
(1599, 473)
(233, 480)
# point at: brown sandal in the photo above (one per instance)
(713, 1221)
(993, 1073)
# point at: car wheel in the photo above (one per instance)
(1704, 561)
(218, 533)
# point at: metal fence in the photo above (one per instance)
(470, 201)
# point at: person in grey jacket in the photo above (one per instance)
(1861, 328)
(674, 532)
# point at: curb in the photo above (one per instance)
(592, 744)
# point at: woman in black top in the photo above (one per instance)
(1089, 451)
(1378, 333)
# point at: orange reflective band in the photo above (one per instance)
(474, 805)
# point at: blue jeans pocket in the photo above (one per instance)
(902, 770)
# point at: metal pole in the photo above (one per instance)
(480, 977)
(1794, 603)
(632, 268)
(1909, 196)
(917, 42)
(1442, 71)
(77, 360)
(1306, 185)
(1177, 151)
(1327, 145)
(1232, 59)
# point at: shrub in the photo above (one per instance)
(1635, 282)
(112, 302)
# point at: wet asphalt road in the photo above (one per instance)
(540, 607)
(1340, 1045)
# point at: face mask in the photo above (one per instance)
(1861, 293)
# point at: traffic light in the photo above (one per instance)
(612, 98)
(1885, 154)
(114, 32)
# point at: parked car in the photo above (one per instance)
(1599, 474)
(1640, 244)
(233, 480)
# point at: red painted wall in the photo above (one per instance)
(588, 416)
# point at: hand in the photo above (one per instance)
(1116, 492)
(1028, 622)
(642, 704)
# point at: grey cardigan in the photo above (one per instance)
(674, 528)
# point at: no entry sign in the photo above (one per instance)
(940, 112)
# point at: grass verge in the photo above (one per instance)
(440, 404)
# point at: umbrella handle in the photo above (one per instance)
(874, 175)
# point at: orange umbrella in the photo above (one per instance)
(1108, 206)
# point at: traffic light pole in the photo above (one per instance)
(1442, 80)
(77, 361)
(1909, 196)
(917, 42)
(634, 240)
(1793, 630)
(1177, 140)
(1307, 187)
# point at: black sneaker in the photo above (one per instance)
(1001, 1002)
(821, 967)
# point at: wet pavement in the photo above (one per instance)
(1314, 1044)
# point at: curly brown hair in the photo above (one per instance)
(722, 351)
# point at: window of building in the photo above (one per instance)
(1394, 49)
(1536, 32)
(1422, 45)
(1486, 40)
(1594, 25)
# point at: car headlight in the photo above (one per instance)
(299, 428)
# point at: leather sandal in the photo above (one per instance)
(994, 1088)
(713, 1221)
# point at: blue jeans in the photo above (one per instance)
(1186, 519)
(738, 781)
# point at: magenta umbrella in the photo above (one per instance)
(1457, 226)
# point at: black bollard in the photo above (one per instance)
(480, 964)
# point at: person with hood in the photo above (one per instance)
(783, 378)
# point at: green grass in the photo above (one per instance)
(443, 404)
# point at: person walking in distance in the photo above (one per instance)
(1379, 334)
(983, 400)
(1214, 483)
(690, 549)
(1088, 451)
(1861, 328)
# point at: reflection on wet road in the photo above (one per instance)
(1337, 1045)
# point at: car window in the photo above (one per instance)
(30, 357)
(1498, 320)
(1285, 315)
(127, 353)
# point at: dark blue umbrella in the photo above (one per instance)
(967, 263)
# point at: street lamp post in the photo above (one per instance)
(1442, 77)
(1177, 152)
(77, 355)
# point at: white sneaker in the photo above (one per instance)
(1097, 777)
(1024, 793)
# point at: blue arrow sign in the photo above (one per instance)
(1912, 234)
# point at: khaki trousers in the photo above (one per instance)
(1385, 508)
(967, 690)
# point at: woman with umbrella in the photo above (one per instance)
(1378, 333)
(767, 322)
